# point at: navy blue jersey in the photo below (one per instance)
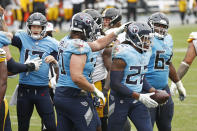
(136, 65)
(67, 47)
(158, 67)
(32, 48)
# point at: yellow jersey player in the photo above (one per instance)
(3, 86)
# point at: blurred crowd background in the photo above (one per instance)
(60, 12)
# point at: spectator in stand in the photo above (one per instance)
(182, 9)
(77, 4)
(132, 9)
(52, 11)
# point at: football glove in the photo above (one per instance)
(98, 93)
(34, 64)
(173, 89)
(53, 83)
(121, 28)
(147, 101)
(181, 90)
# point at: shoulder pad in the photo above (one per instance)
(2, 55)
(192, 36)
(78, 46)
(2, 52)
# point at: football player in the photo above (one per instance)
(112, 20)
(3, 86)
(74, 84)
(129, 65)
(187, 61)
(100, 73)
(13, 67)
(33, 86)
(160, 68)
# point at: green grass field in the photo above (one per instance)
(185, 114)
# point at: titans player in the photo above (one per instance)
(160, 68)
(73, 105)
(33, 86)
(129, 64)
(13, 67)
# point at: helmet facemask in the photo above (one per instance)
(159, 24)
(36, 36)
(142, 42)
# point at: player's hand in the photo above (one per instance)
(147, 101)
(98, 93)
(1, 11)
(121, 28)
(34, 64)
(50, 59)
(181, 90)
(173, 89)
(53, 82)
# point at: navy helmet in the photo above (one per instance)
(159, 24)
(84, 23)
(37, 19)
(139, 34)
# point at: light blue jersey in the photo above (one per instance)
(4, 40)
(67, 47)
(36, 48)
(158, 67)
(136, 65)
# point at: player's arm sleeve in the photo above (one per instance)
(15, 67)
(16, 41)
(146, 86)
(116, 85)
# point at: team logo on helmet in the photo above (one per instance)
(133, 29)
(85, 19)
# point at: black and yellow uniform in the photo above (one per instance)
(103, 109)
(5, 124)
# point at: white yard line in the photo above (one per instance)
(179, 49)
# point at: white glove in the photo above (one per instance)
(181, 90)
(98, 93)
(173, 89)
(147, 101)
(53, 82)
(36, 62)
(121, 28)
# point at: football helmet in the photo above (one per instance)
(83, 22)
(95, 15)
(37, 19)
(113, 14)
(159, 24)
(139, 34)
